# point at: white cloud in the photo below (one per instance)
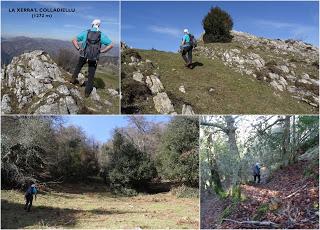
(104, 20)
(73, 26)
(165, 30)
(298, 31)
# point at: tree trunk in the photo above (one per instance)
(233, 148)
(294, 141)
(215, 176)
(286, 141)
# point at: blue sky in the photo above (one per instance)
(101, 127)
(159, 25)
(62, 26)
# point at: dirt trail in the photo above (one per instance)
(289, 199)
(211, 208)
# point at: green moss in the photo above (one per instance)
(261, 211)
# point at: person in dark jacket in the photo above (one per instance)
(32, 190)
(256, 172)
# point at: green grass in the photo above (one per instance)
(100, 209)
(232, 92)
(111, 80)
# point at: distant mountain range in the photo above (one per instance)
(14, 46)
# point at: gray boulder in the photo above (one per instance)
(187, 110)
(154, 84)
(137, 76)
(5, 104)
(163, 104)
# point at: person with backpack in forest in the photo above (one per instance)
(256, 173)
(90, 49)
(32, 190)
(187, 45)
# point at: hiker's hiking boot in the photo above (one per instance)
(188, 65)
(74, 81)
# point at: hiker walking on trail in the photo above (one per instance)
(187, 44)
(32, 190)
(256, 173)
(90, 49)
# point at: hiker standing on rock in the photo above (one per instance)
(187, 44)
(32, 190)
(90, 50)
(256, 173)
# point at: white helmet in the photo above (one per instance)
(33, 186)
(186, 31)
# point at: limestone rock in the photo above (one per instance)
(38, 86)
(5, 104)
(163, 104)
(187, 110)
(182, 89)
(276, 85)
(94, 95)
(62, 89)
(81, 79)
(113, 92)
(137, 76)
(154, 84)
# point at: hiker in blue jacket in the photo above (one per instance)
(90, 49)
(32, 190)
(256, 172)
(186, 48)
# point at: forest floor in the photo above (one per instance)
(91, 206)
(289, 200)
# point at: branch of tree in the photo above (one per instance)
(272, 124)
(205, 123)
(292, 194)
(257, 223)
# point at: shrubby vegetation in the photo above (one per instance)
(178, 155)
(217, 25)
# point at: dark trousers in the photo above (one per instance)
(256, 176)
(29, 199)
(92, 66)
(187, 54)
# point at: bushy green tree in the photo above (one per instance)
(217, 25)
(76, 158)
(178, 153)
(128, 168)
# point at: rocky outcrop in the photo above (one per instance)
(288, 65)
(34, 84)
(144, 72)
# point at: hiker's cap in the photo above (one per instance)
(33, 185)
(186, 31)
(96, 22)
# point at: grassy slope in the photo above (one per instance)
(233, 93)
(111, 80)
(99, 210)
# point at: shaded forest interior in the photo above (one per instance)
(286, 149)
